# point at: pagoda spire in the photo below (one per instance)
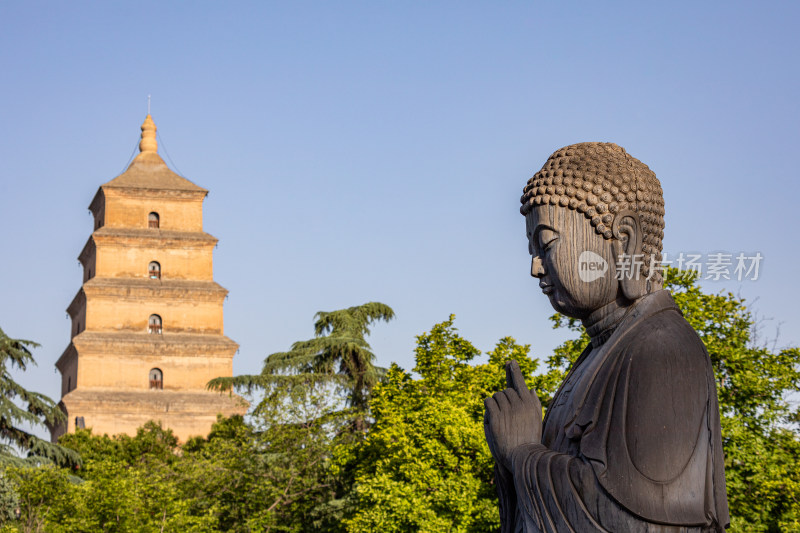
(148, 170)
(148, 142)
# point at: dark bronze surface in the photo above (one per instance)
(631, 440)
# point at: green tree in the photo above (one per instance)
(126, 484)
(19, 407)
(45, 493)
(425, 465)
(338, 354)
(270, 475)
(320, 388)
(9, 500)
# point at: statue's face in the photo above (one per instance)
(575, 266)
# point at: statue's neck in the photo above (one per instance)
(601, 323)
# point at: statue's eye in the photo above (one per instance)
(547, 238)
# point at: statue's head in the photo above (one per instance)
(591, 212)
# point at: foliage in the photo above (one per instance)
(338, 354)
(270, 475)
(9, 500)
(19, 406)
(425, 465)
(125, 484)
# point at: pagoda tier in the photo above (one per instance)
(123, 361)
(185, 413)
(127, 305)
(126, 253)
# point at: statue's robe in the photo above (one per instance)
(631, 441)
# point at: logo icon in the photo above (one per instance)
(591, 266)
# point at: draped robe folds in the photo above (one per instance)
(631, 441)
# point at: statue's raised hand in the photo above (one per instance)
(513, 416)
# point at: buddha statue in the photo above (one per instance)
(631, 441)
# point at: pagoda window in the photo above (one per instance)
(153, 220)
(154, 270)
(154, 325)
(156, 379)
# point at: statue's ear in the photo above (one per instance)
(627, 247)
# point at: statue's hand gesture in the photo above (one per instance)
(513, 416)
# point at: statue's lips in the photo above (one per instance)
(547, 289)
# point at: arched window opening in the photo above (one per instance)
(80, 423)
(154, 325)
(154, 270)
(156, 379)
(153, 220)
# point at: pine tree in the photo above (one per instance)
(19, 406)
(338, 354)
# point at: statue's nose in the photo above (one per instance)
(537, 267)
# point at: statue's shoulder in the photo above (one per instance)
(656, 434)
(662, 332)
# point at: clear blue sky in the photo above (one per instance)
(361, 151)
